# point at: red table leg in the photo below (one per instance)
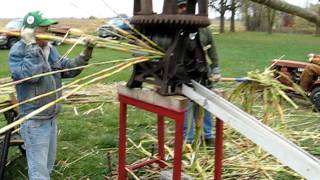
(178, 148)
(177, 116)
(161, 140)
(122, 173)
(219, 150)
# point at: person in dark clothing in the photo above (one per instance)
(208, 44)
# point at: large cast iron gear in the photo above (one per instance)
(171, 20)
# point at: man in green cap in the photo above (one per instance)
(208, 44)
(28, 57)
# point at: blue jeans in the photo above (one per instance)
(40, 140)
(188, 132)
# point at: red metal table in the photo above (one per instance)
(178, 117)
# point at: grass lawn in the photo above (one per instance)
(85, 140)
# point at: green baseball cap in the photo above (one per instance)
(36, 19)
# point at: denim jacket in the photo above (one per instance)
(29, 60)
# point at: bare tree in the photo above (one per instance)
(235, 4)
(304, 13)
(222, 7)
(317, 9)
(257, 17)
(271, 19)
(245, 14)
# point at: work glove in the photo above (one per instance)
(87, 52)
(214, 74)
(314, 59)
(311, 56)
(28, 36)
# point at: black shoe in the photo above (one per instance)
(210, 142)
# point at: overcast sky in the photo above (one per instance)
(83, 8)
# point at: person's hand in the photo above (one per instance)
(215, 77)
(214, 74)
(311, 56)
(89, 43)
(28, 36)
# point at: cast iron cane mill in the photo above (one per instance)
(177, 34)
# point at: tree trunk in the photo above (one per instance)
(222, 13)
(232, 22)
(259, 20)
(291, 9)
(233, 16)
(271, 18)
(317, 33)
(317, 29)
(246, 15)
(222, 22)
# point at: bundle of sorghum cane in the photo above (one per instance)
(142, 46)
(263, 88)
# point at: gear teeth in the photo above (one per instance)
(171, 20)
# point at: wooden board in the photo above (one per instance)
(177, 103)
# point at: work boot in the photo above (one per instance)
(210, 142)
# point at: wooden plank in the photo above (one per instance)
(284, 150)
(177, 103)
